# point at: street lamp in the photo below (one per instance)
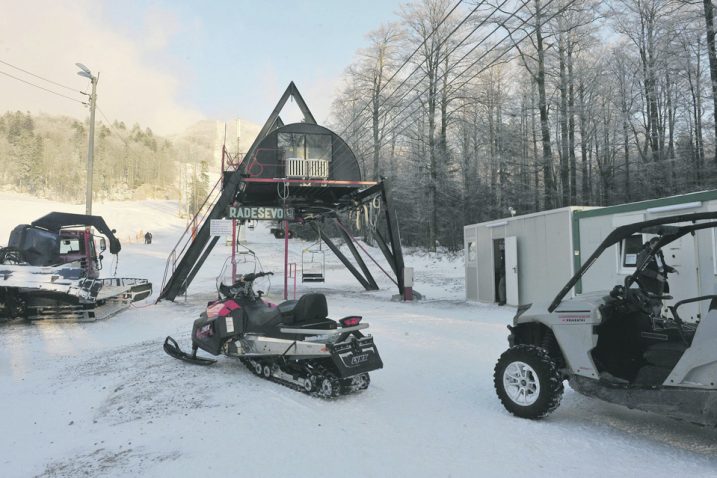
(85, 72)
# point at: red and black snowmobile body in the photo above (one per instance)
(294, 343)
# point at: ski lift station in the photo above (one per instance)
(529, 258)
(299, 173)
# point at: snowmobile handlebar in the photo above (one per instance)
(254, 275)
(243, 287)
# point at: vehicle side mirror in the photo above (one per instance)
(103, 244)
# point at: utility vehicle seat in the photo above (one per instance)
(665, 354)
(659, 360)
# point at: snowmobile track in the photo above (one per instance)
(324, 383)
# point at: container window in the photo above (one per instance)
(629, 249)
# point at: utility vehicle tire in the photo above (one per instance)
(528, 382)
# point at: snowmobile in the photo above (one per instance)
(50, 271)
(624, 345)
(293, 343)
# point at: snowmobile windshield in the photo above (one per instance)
(665, 227)
(240, 278)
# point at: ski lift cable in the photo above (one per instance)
(509, 35)
(405, 62)
(385, 114)
(471, 50)
(444, 40)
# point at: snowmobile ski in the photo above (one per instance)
(172, 348)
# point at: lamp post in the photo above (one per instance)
(85, 72)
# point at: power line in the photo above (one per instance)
(111, 125)
(418, 96)
(40, 77)
(42, 88)
(405, 62)
(523, 22)
(475, 62)
(485, 20)
(384, 114)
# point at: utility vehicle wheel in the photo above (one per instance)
(257, 368)
(528, 382)
(267, 371)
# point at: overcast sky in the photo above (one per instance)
(169, 63)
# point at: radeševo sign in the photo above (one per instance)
(261, 213)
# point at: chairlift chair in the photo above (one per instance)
(313, 263)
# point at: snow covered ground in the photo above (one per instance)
(102, 399)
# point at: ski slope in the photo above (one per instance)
(102, 399)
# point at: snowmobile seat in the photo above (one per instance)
(287, 307)
(261, 319)
(309, 308)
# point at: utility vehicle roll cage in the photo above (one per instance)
(666, 234)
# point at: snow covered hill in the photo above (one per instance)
(102, 399)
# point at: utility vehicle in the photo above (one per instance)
(620, 345)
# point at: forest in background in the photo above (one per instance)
(46, 156)
(479, 110)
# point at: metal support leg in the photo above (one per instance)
(343, 259)
(357, 257)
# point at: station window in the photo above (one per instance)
(293, 144)
(318, 146)
(305, 146)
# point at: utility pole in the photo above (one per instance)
(91, 146)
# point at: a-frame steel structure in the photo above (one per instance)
(261, 175)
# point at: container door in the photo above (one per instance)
(511, 270)
(471, 263)
(681, 255)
